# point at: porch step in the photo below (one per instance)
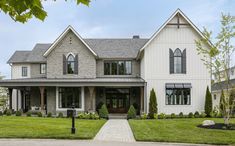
(117, 116)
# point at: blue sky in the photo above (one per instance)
(104, 19)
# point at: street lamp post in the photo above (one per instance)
(73, 129)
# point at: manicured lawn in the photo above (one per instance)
(35, 127)
(180, 130)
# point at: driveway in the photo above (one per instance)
(53, 142)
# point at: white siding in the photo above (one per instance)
(16, 71)
(156, 68)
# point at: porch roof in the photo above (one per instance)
(11, 83)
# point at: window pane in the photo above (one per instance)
(121, 68)
(106, 68)
(43, 68)
(177, 64)
(178, 96)
(128, 67)
(114, 68)
(69, 96)
(70, 64)
(24, 71)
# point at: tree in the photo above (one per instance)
(208, 102)
(23, 10)
(3, 96)
(131, 114)
(152, 104)
(222, 102)
(218, 57)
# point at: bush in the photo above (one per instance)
(39, 114)
(18, 113)
(28, 114)
(8, 112)
(208, 102)
(1, 113)
(98, 106)
(202, 115)
(173, 116)
(131, 114)
(94, 116)
(162, 116)
(155, 116)
(143, 116)
(219, 115)
(196, 114)
(190, 115)
(103, 112)
(181, 115)
(60, 115)
(152, 104)
(49, 114)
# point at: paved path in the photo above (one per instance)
(53, 142)
(115, 130)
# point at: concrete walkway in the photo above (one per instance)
(115, 130)
(54, 142)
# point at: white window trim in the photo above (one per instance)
(65, 109)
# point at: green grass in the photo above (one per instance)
(180, 130)
(58, 128)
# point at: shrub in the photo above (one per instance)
(60, 115)
(28, 114)
(8, 112)
(94, 116)
(131, 114)
(144, 116)
(181, 115)
(98, 106)
(39, 114)
(162, 116)
(103, 112)
(202, 115)
(196, 114)
(152, 104)
(208, 102)
(155, 116)
(190, 115)
(173, 116)
(1, 113)
(18, 113)
(49, 114)
(219, 115)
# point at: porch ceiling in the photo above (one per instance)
(72, 82)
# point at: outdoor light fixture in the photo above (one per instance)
(72, 113)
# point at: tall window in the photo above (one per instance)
(24, 71)
(178, 96)
(42, 68)
(117, 68)
(177, 61)
(69, 96)
(70, 64)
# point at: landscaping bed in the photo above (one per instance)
(183, 130)
(41, 127)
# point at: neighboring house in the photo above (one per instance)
(116, 72)
(216, 87)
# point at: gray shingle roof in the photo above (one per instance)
(223, 84)
(105, 48)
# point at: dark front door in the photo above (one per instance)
(117, 99)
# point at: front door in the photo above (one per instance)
(117, 99)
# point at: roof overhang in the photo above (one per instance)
(122, 82)
(178, 11)
(62, 36)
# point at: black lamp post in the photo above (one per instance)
(73, 129)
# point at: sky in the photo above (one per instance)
(104, 19)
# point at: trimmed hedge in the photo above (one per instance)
(131, 114)
(103, 112)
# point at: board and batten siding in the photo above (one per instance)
(155, 68)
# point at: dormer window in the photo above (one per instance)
(70, 64)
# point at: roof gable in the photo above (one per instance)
(183, 19)
(62, 36)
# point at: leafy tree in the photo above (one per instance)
(3, 96)
(152, 104)
(23, 10)
(208, 102)
(131, 114)
(218, 57)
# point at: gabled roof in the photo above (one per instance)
(69, 28)
(178, 11)
(19, 57)
(223, 85)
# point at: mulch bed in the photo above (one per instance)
(220, 126)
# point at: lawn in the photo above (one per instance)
(180, 130)
(38, 127)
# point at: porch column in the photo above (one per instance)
(91, 91)
(141, 99)
(42, 90)
(10, 97)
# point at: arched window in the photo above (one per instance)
(70, 64)
(177, 61)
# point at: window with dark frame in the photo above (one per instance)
(178, 96)
(177, 61)
(117, 67)
(24, 71)
(70, 64)
(69, 96)
(42, 68)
